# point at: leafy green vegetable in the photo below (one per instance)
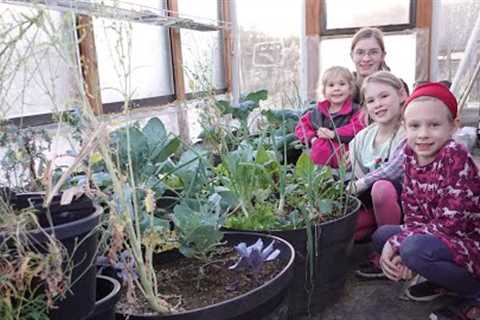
(198, 226)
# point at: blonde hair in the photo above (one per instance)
(367, 33)
(383, 77)
(338, 71)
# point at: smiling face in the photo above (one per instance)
(368, 56)
(383, 103)
(428, 126)
(337, 90)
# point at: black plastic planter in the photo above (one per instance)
(74, 226)
(108, 293)
(334, 244)
(267, 302)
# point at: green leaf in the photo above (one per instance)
(242, 111)
(325, 206)
(161, 152)
(155, 132)
(198, 229)
(152, 223)
(228, 197)
(262, 156)
(192, 169)
(137, 147)
(257, 96)
(223, 106)
(305, 168)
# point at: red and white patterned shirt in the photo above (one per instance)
(443, 199)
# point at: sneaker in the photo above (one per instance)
(425, 291)
(370, 269)
(458, 310)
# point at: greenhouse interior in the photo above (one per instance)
(239, 159)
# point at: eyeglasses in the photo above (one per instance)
(360, 53)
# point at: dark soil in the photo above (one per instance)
(195, 284)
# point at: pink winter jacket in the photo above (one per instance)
(346, 123)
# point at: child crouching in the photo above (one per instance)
(440, 239)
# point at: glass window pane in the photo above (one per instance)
(133, 59)
(270, 48)
(460, 17)
(401, 53)
(353, 14)
(202, 52)
(37, 72)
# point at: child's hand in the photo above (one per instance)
(325, 133)
(404, 272)
(390, 269)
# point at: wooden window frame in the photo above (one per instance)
(90, 73)
(385, 28)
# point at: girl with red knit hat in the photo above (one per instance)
(440, 237)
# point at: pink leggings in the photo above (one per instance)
(386, 210)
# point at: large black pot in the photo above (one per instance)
(74, 226)
(267, 302)
(108, 293)
(332, 248)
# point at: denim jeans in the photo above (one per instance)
(430, 257)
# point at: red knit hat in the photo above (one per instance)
(436, 90)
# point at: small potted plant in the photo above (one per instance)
(47, 239)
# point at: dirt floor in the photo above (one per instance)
(375, 299)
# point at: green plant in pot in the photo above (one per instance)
(306, 204)
(48, 234)
(139, 235)
(197, 281)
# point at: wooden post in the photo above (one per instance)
(424, 40)
(178, 78)
(312, 45)
(227, 44)
(88, 59)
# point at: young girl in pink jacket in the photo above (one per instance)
(440, 237)
(334, 122)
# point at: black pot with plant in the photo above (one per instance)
(321, 265)
(56, 247)
(310, 207)
(266, 299)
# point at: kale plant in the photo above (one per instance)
(197, 224)
(254, 257)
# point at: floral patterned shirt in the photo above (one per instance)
(443, 199)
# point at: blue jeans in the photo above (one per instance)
(430, 257)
